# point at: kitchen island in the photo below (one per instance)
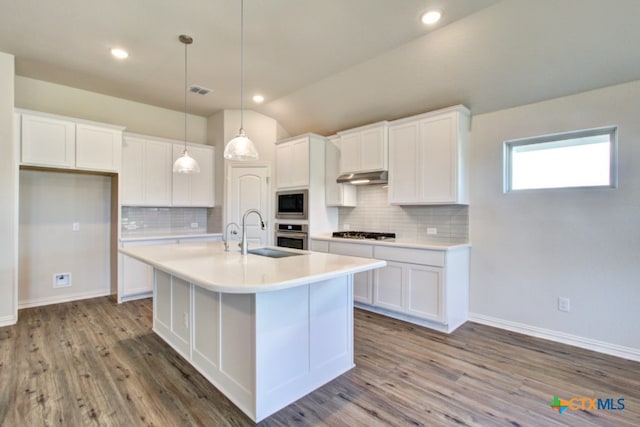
(265, 331)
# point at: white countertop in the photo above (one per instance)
(176, 236)
(206, 264)
(401, 243)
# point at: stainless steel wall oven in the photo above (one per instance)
(293, 236)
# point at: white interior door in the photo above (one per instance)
(248, 187)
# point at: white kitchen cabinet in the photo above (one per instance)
(336, 194)
(48, 141)
(292, 163)
(194, 189)
(390, 286)
(98, 148)
(59, 142)
(364, 148)
(146, 172)
(136, 277)
(362, 282)
(428, 158)
(428, 287)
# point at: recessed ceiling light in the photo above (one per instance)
(119, 53)
(431, 17)
(258, 99)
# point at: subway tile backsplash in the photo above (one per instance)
(373, 213)
(150, 221)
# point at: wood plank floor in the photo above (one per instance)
(94, 362)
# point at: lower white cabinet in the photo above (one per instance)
(135, 277)
(362, 283)
(410, 288)
(428, 287)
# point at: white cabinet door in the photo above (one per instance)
(98, 148)
(336, 194)
(373, 149)
(194, 189)
(362, 282)
(48, 142)
(389, 288)
(202, 183)
(364, 149)
(157, 179)
(146, 172)
(292, 163)
(350, 147)
(425, 292)
(404, 163)
(132, 175)
(137, 276)
(439, 159)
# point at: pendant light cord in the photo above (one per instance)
(241, 65)
(185, 97)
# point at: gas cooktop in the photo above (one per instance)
(363, 235)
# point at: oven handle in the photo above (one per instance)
(290, 234)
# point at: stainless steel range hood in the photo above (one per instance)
(364, 178)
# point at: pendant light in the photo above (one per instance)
(185, 163)
(241, 147)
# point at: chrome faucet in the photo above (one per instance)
(243, 242)
(226, 232)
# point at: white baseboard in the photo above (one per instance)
(36, 302)
(8, 321)
(561, 337)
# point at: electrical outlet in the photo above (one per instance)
(76, 226)
(194, 225)
(564, 304)
(186, 320)
(432, 231)
(346, 226)
(61, 280)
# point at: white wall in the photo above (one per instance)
(137, 117)
(50, 202)
(530, 248)
(8, 195)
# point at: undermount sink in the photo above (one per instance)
(272, 253)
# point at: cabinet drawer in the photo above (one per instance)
(415, 256)
(351, 249)
(319, 246)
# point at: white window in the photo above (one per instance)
(585, 158)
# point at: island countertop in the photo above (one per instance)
(206, 264)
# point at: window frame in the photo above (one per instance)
(508, 145)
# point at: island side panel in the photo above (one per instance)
(304, 339)
(172, 312)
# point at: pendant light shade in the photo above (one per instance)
(241, 147)
(185, 163)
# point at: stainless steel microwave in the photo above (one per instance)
(292, 204)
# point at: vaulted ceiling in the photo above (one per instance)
(328, 65)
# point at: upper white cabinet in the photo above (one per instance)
(364, 148)
(98, 148)
(194, 189)
(51, 141)
(146, 172)
(336, 194)
(292, 163)
(147, 177)
(427, 158)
